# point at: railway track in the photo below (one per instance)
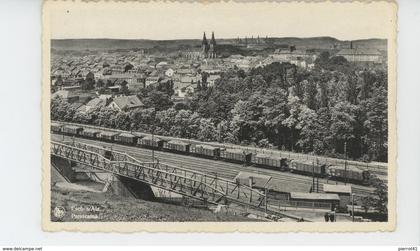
(282, 181)
(378, 168)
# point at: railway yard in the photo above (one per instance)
(282, 181)
(299, 176)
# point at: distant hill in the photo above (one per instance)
(124, 44)
(113, 44)
(380, 44)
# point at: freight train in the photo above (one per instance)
(204, 150)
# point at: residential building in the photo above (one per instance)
(124, 103)
(65, 95)
(361, 55)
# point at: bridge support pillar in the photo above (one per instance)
(64, 167)
(128, 187)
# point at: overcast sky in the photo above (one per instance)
(344, 21)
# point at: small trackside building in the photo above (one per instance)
(253, 180)
(343, 191)
(332, 199)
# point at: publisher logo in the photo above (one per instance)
(59, 212)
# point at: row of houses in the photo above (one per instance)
(86, 104)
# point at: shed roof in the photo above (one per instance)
(331, 188)
(258, 180)
(314, 196)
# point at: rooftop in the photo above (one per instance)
(96, 102)
(314, 196)
(330, 188)
(258, 180)
(358, 52)
(128, 102)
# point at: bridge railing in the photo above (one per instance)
(121, 156)
(116, 155)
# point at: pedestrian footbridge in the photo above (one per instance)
(193, 184)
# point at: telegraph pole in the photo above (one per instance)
(265, 199)
(153, 147)
(317, 178)
(352, 206)
(313, 176)
(345, 162)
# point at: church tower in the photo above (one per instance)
(212, 47)
(204, 46)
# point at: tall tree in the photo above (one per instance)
(207, 131)
(343, 122)
(376, 123)
(310, 94)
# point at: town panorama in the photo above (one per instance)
(253, 128)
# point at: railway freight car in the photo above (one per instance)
(126, 138)
(236, 155)
(150, 142)
(90, 133)
(107, 136)
(205, 151)
(56, 127)
(308, 167)
(177, 146)
(269, 161)
(72, 130)
(349, 173)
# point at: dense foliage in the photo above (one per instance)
(278, 106)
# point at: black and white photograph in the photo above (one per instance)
(219, 115)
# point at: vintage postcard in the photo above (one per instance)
(219, 116)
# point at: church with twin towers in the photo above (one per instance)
(208, 49)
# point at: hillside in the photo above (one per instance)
(124, 44)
